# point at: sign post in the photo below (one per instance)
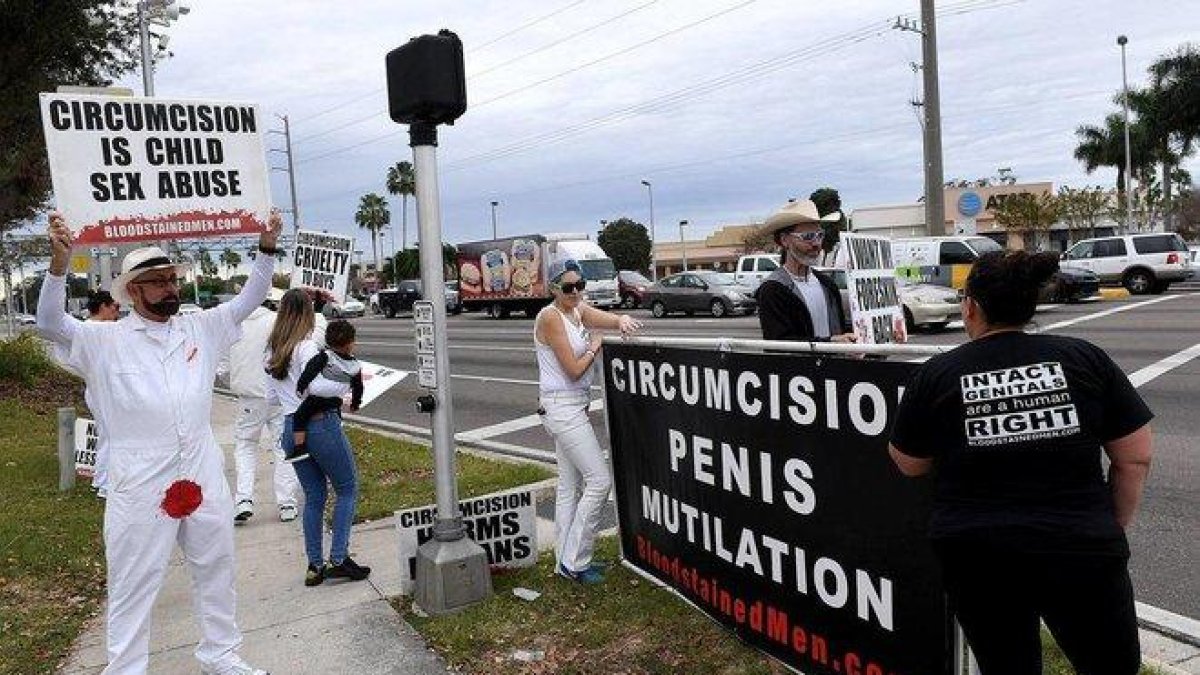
(426, 87)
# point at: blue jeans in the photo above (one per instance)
(330, 461)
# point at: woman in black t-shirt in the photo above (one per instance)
(1024, 523)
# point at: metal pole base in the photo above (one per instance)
(451, 576)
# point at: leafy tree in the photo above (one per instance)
(373, 214)
(1028, 214)
(1188, 223)
(1082, 208)
(230, 259)
(828, 201)
(1004, 176)
(79, 42)
(402, 181)
(628, 244)
(408, 263)
(756, 239)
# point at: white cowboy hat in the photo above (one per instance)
(135, 263)
(796, 213)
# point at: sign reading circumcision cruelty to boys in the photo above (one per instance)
(875, 308)
(141, 169)
(322, 261)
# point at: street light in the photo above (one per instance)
(653, 259)
(683, 243)
(159, 13)
(494, 205)
(1121, 40)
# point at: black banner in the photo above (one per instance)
(759, 487)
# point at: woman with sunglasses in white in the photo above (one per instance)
(796, 302)
(566, 352)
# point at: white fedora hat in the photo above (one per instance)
(135, 263)
(796, 213)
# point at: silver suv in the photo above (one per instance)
(1142, 263)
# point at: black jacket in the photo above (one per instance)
(783, 314)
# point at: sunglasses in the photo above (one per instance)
(173, 282)
(572, 286)
(808, 236)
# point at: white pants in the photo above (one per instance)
(138, 541)
(583, 477)
(256, 414)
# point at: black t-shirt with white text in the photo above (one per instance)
(1015, 424)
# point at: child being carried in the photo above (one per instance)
(337, 365)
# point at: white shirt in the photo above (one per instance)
(245, 359)
(551, 376)
(284, 391)
(812, 293)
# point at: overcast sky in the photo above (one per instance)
(729, 107)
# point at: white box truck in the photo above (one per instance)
(502, 276)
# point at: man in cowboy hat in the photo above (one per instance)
(150, 379)
(797, 302)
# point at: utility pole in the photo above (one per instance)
(935, 206)
(683, 243)
(291, 169)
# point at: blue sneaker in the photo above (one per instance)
(591, 576)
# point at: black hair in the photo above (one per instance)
(339, 333)
(1006, 284)
(97, 299)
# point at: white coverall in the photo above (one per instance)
(151, 390)
(247, 379)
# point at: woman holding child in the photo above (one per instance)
(329, 457)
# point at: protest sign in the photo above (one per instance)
(759, 488)
(378, 379)
(503, 523)
(875, 308)
(322, 261)
(139, 169)
(85, 447)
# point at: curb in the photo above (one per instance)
(1113, 293)
(1179, 628)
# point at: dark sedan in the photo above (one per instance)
(691, 292)
(1070, 284)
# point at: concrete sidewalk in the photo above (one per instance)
(338, 627)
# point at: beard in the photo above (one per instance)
(168, 306)
(806, 260)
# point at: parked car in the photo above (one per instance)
(22, 319)
(189, 308)
(691, 292)
(1142, 263)
(349, 309)
(1070, 284)
(928, 305)
(633, 287)
(399, 300)
(752, 269)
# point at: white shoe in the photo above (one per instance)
(245, 509)
(233, 665)
(287, 513)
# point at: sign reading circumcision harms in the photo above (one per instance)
(875, 307)
(139, 169)
(758, 487)
(322, 261)
(504, 524)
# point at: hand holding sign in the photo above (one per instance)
(60, 244)
(270, 236)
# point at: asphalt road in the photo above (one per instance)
(494, 382)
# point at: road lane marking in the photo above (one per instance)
(1164, 366)
(503, 380)
(1107, 312)
(514, 425)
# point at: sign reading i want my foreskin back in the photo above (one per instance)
(144, 169)
(322, 261)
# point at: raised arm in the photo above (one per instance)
(259, 281)
(53, 322)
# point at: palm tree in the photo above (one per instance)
(1105, 146)
(373, 214)
(402, 181)
(230, 259)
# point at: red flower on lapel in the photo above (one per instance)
(182, 499)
